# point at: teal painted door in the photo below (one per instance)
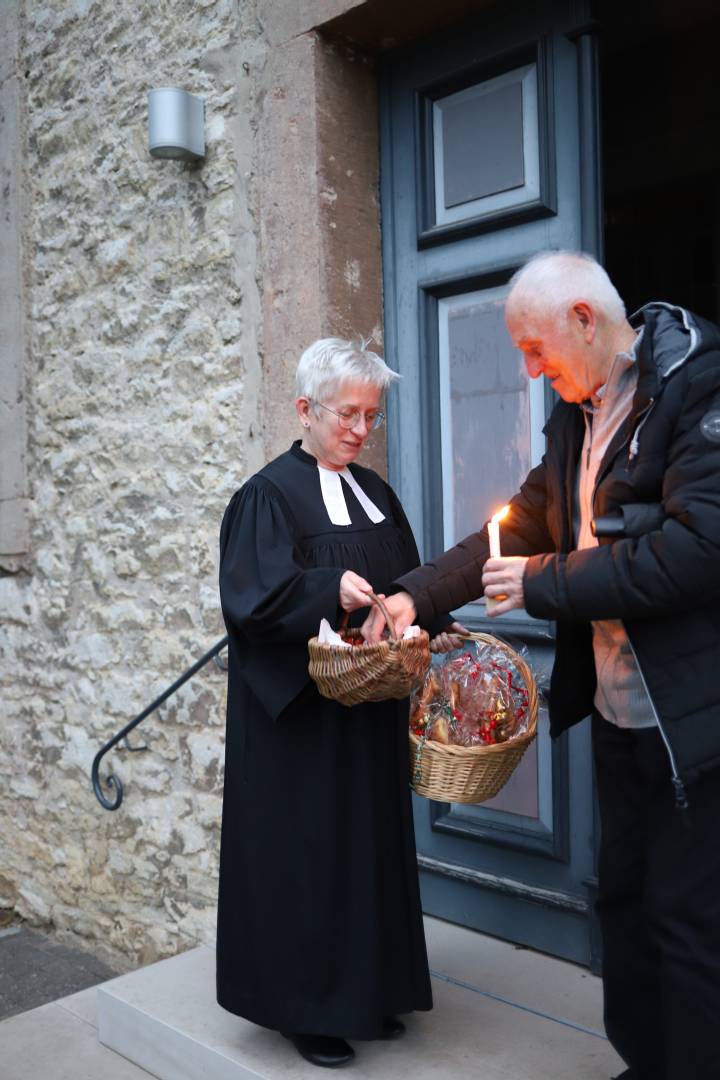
(488, 137)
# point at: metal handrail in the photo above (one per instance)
(112, 781)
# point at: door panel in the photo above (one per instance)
(486, 401)
(500, 113)
(481, 167)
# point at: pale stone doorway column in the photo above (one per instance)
(318, 197)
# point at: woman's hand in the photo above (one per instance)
(448, 639)
(354, 591)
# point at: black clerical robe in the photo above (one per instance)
(319, 920)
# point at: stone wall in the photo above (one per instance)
(13, 432)
(164, 307)
(143, 396)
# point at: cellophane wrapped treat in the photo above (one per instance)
(473, 698)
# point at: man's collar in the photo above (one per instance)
(621, 362)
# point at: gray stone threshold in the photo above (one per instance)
(501, 1013)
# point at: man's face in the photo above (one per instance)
(558, 347)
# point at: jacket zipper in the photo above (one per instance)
(635, 441)
(681, 800)
(642, 416)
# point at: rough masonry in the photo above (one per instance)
(142, 396)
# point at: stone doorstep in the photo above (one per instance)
(56, 1042)
(500, 1014)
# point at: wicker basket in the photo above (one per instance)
(472, 774)
(389, 669)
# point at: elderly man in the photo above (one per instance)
(616, 535)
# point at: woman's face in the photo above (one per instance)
(324, 437)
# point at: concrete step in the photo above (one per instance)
(501, 1013)
(59, 1041)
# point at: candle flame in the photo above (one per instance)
(501, 514)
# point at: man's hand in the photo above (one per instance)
(504, 577)
(448, 639)
(354, 591)
(402, 613)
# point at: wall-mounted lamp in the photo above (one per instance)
(176, 124)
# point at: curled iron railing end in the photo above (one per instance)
(112, 782)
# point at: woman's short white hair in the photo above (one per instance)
(331, 361)
(554, 280)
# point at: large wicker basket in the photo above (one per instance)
(388, 669)
(473, 774)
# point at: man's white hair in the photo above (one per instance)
(331, 361)
(552, 281)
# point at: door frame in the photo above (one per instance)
(570, 754)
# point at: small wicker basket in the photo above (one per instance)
(472, 774)
(389, 669)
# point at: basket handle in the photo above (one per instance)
(487, 639)
(478, 635)
(375, 600)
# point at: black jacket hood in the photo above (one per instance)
(672, 336)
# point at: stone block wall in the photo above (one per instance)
(13, 433)
(143, 404)
(163, 308)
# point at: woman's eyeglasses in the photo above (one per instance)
(350, 418)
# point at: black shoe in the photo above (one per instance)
(392, 1027)
(327, 1051)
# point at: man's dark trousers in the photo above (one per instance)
(659, 908)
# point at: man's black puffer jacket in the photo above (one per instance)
(664, 584)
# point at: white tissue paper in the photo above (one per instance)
(328, 636)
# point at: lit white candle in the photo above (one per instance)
(494, 537)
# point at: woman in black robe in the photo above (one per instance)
(320, 931)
